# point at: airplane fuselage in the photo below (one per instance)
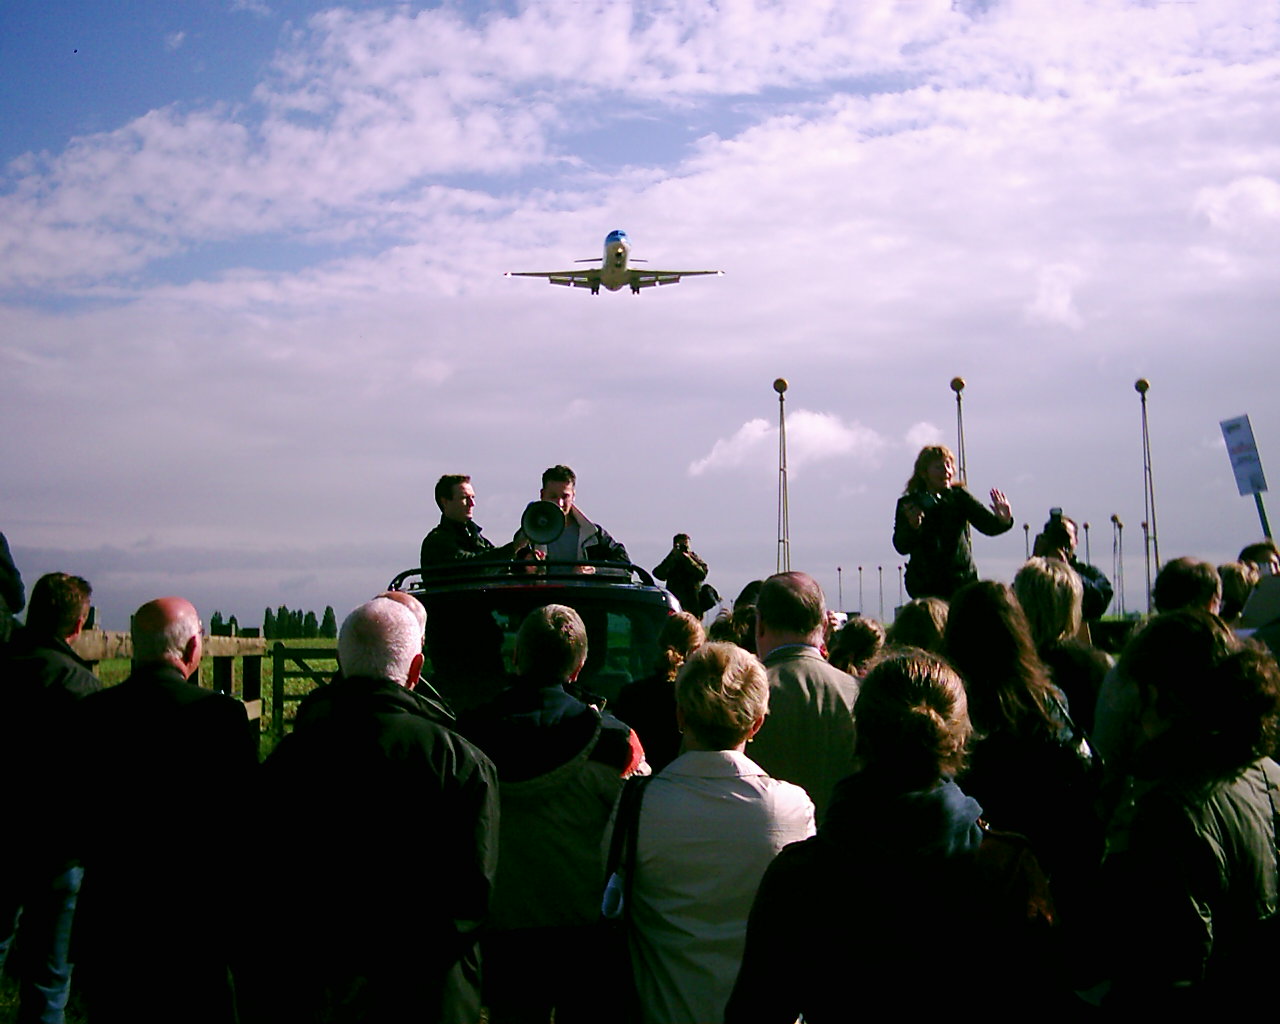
(614, 274)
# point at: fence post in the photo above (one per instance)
(277, 689)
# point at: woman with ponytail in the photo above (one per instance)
(906, 892)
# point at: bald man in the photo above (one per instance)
(164, 763)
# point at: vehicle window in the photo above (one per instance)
(471, 642)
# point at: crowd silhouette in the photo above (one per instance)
(789, 817)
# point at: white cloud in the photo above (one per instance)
(1054, 302)
(1244, 206)
(811, 437)
(748, 443)
(174, 40)
(923, 434)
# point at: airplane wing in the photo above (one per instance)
(568, 278)
(649, 278)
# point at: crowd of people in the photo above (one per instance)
(790, 818)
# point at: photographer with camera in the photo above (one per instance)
(929, 525)
(683, 571)
(1058, 540)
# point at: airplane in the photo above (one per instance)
(614, 271)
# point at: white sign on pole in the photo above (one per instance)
(1243, 452)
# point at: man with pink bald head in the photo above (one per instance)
(164, 764)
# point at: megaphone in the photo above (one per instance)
(542, 522)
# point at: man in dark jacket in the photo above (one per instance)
(683, 571)
(43, 678)
(1058, 540)
(163, 767)
(388, 822)
(12, 595)
(457, 538)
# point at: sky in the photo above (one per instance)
(252, 303)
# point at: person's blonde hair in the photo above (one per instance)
(722, 690)
(1052, 596)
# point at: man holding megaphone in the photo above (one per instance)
(577, 539)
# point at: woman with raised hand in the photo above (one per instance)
(930, 520)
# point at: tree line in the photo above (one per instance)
(283, 623)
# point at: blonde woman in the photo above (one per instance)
(709, 825)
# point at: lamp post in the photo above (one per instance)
(957, 385)
(1117, 558)
(784, 518)
(1151, 539)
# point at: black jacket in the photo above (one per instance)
(165, 780)
(843, 921)
(41, 680)
(12, 594)
(452, 541)
(941, 559)
(388, 822)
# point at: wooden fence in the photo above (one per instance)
(291, 662)
(220, 654)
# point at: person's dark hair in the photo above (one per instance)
(1186, 583)
(680, 636)
(1055, 535)
(791, 602)
(722, 690)
(749, 596)
(58, 602)
(919, 623)
(736, 628)
(1221, 696)
(1259, 553)
(560, 475)
(1238, 581)
(913, 721)
(552, 643)
(988, 640)
(678, 538)
(446, 484)
(855, 644)
(928, 455)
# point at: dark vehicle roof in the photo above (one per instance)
(474, 609)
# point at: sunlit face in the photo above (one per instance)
(560, 492)
(461, 505)
(938, 474)
(1071, 532)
